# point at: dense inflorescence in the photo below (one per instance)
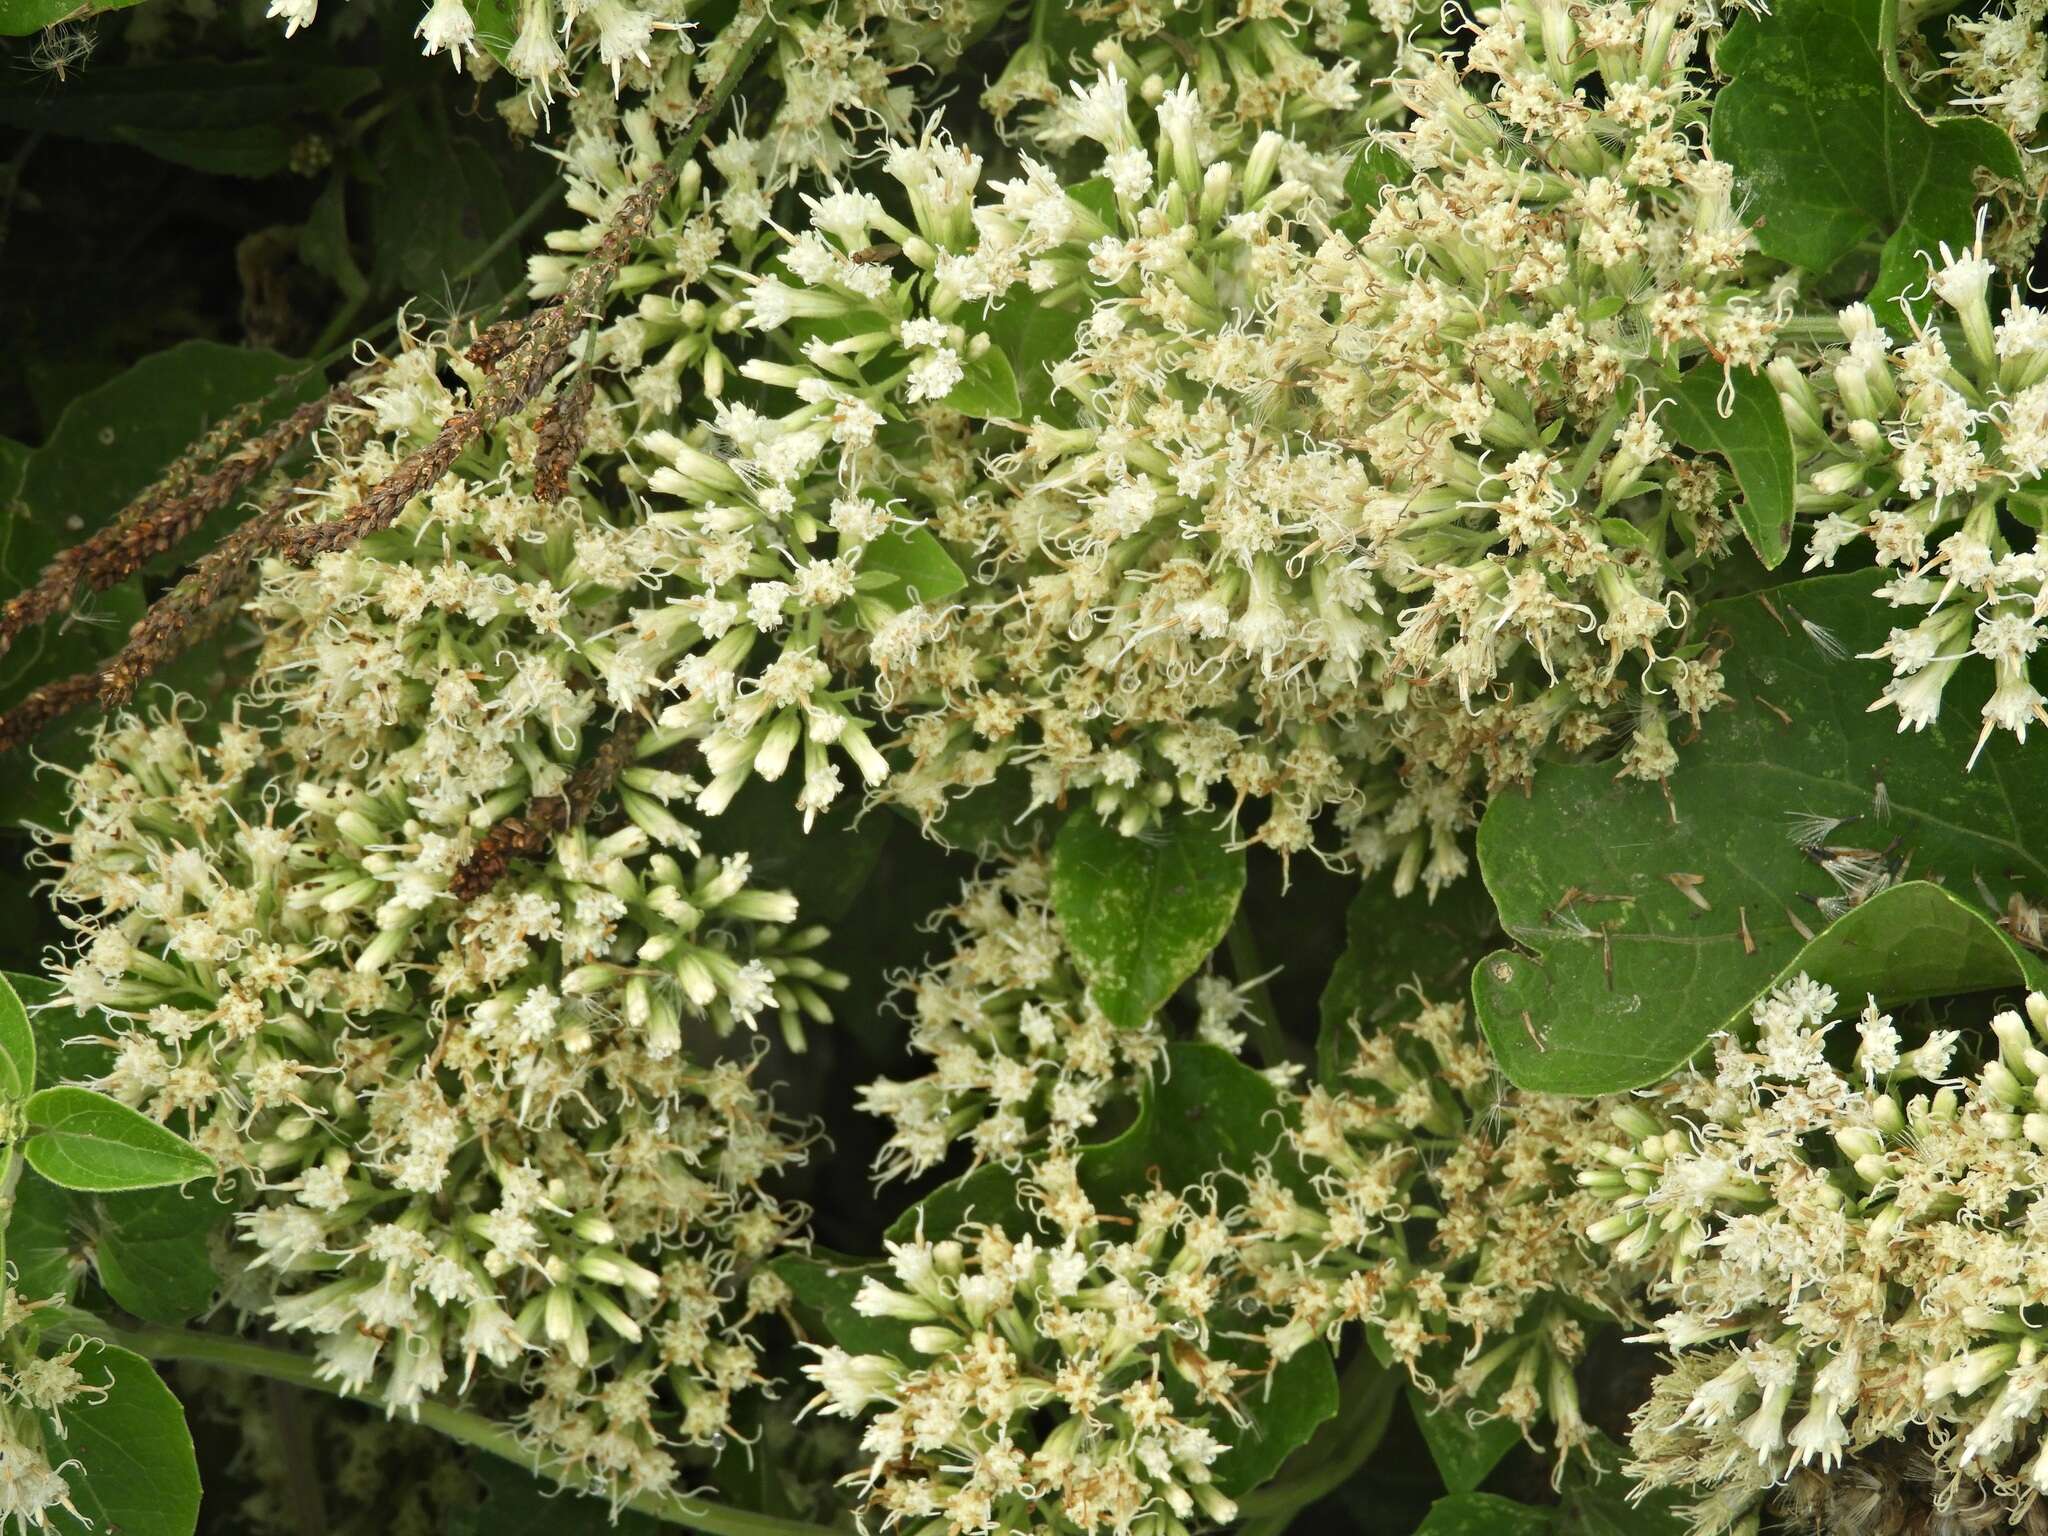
(1842, 1252)
(1932, 446)
(1072, 1379)
(1430, 1204)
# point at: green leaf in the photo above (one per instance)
(1142, 913)
(20, 18)
(439, 202)
(825, 868)
(152, 1251)
(17, 1052)
(1377, 167)
(85, 1140)
(903, 567)
(1626, 974)
(825, 1287)
(239, 119)
(987, 388)
(1392, 942)
(1595, 1500)
(66, 1051)
(1753, 438)
(43, 1248)
(1485, 1514)
(1463, 1452)
(497, 26)
(136, 1471)
(1832, 152)
(1035, 338)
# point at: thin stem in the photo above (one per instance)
(1276, 1048)
(458, 1424)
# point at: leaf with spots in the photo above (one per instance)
(1142, 913)
(1833, 154)
(1650, 916)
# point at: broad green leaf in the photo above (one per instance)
(17, 1054)
(1395, 942)
(69, 1048)
(1753, 438)
(135, 1473)
(1464, 1452)
(995, 820)
(1652, 915)
(43, 1249)
(439, 203)
(1142, 913)
(1035, 337)
(825, 1287)
(987, 389)
(905, 566)
(239, 119)
(152, 1251)
(20, 18)
(497, 26)
(85, 1140)
(1376, 167)
(1485, 1514)
(1831, 151)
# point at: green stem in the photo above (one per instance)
(470, 1429)
(1275, 1047)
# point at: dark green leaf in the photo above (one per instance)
(987, 389)
(1596, 1499)
(85, 1140)
(1035, 338)
(825, 868)
(1833, 153)
(135, 1472)
(497, 26)
(1627, 975)
(439, 203)
(1463, 1452)
(1485, 1514)
(152, 1251)
(43, 1249)
(1142, 913)
(1392, 942)
(239, 119)
(1753, 438)
(518, 1503)
(1377, 167)
(904, 567)
(17, 1051)
(825, 1288)
(69, 1048)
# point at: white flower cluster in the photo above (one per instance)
(476, 1103)
(1432, 1205)
(1935, 454)
(1304, 504)
(1069, 1384)
(1021, 1057)
(37, 1382)
(1843, 1252)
